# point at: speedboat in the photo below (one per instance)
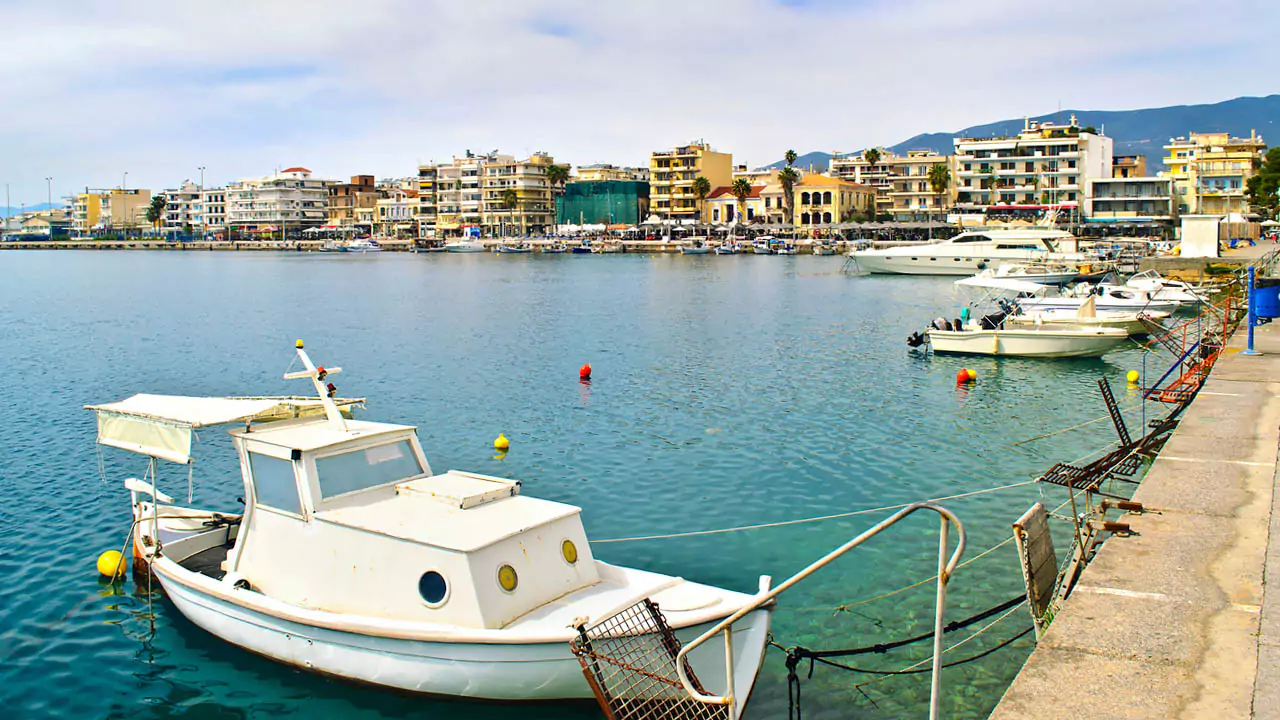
(696, 246)
(823, 249)
(1047, 340)
(361, 245)
(353, 558)
(1134, 323)
(1105, 297)
(464, 246)
(971, 251)
(1164, 289)
(583, 248)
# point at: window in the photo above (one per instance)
(274, 484)
(367, 468)
(826, 198)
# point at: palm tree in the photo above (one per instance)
(557, 176)
(790, 157)
(788, 177)
(511, 199)
(872, 157)
(155, 211)
(701, 189)
(939, 180)
(741, 189)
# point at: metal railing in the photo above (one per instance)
(945, 568)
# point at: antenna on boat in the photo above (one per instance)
(326, 392)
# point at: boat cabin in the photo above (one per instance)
(354, 521)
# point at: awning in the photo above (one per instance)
(1006, 284)
(160, 425)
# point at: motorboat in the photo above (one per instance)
(464, 246)
(695, 246)
(609, 248)
(1043, 273)
(1105, 296)
(1165, 289)
(522, 248)
(555, 247)
(786, 248)
(763, 245)
(728, 248)
(823, 249)
(360, 245)
(1134, 323)
(354, 559)
(1046, 340)
(972, 251)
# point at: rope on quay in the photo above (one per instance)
(801, 521)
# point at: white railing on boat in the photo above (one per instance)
(946, 566)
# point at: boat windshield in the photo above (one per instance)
(366, 468)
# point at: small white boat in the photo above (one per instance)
(360, 245)
(1089, 316)
(1163, 289)
(728, 248)
(823, 249)
(695, 246)
(763, 245)
(554, 248)
(521, 248)
(1042, 273)
(786, 248)
(354, 559)
(464, 246)
(1046, 340)
(1106, 297)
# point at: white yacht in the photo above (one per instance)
(464, 246)
(972, 251)
(353, 558)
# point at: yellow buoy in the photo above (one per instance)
(502, 443)
(1133, 377)
(111, 564)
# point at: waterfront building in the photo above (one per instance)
(285, 201)
(601, 172)
(49, 223)
(722, 206)
(86, 212)
(212, 216)
(758, 176)
(858, 168)
(1046, 166)
(1125, 166)
(603, 202)
(1209, 171)
(774, 204)
(823, 200)
(459, 194)
(395, 213)
(427, 199)
(671, 176)
(911, 195)
(344, 198)
(534, 210)
(182, 208)
(123, 210)
(1129, 199)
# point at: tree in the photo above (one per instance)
(788, 177)
(155, 211)
(1089, 129)
(510, 200)
(939, 180)
(701, 189)
(741, 189)
(872, 157)
(1263, 189)
(790, 157)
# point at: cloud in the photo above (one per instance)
(94, 87)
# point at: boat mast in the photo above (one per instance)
(325, 392)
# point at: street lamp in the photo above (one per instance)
(124, 203)
(203, 209)
(49, 182)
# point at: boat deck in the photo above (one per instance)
(208, 562)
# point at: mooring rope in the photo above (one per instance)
(801, 521)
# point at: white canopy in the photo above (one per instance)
(161, 425)
(1006, 284)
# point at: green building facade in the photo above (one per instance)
(603, 202)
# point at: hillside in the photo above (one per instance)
(1135, 132)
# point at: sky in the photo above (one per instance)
(97, 89)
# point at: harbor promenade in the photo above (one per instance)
(1181, 618)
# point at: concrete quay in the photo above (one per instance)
(1182, 618)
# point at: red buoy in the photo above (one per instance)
(584, 372)
(962, 376)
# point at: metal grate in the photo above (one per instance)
(630, 663)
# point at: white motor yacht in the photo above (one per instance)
(353, 558)
(1104, 296)
(464, 246)
(972, 251)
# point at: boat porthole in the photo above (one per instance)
(569, 551)
(507, 578)
(433, 589)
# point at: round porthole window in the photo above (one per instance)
(507, 578)
(433, 588)
(569, 551)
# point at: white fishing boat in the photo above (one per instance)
(354, 559)
(1043, 273)
(360, 245)
(763, 245)
(554, 248)
(520, 248)
(728, 248)
(1089, 316)
(823, 249)
(695, 246)
(972, 251)
(786, 248)
(464, 246)
(1048, 340)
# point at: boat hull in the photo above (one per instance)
(922, 262)
(695, 251)
(1029, 343)
(542, 671)
(1102, 304)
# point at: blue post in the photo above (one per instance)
(1251, 318)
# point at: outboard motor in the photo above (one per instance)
(916, 339)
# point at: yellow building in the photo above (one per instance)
(123, 210)
(1209, 171)
(534, 210)
(671, 176)
(911, 195)
(601, 172)
(722, 206)
(823, 200)
(86, 212)
(1128, 166)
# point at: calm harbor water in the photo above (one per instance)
(728, 391)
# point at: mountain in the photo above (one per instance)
(10, 211)
(818, 159)
(1135, 132)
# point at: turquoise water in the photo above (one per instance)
(727, 391)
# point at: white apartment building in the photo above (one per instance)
(182, 207)
(458, 192)
(212, 214)
(1044, 166)
(395, 214)
(288, 200)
